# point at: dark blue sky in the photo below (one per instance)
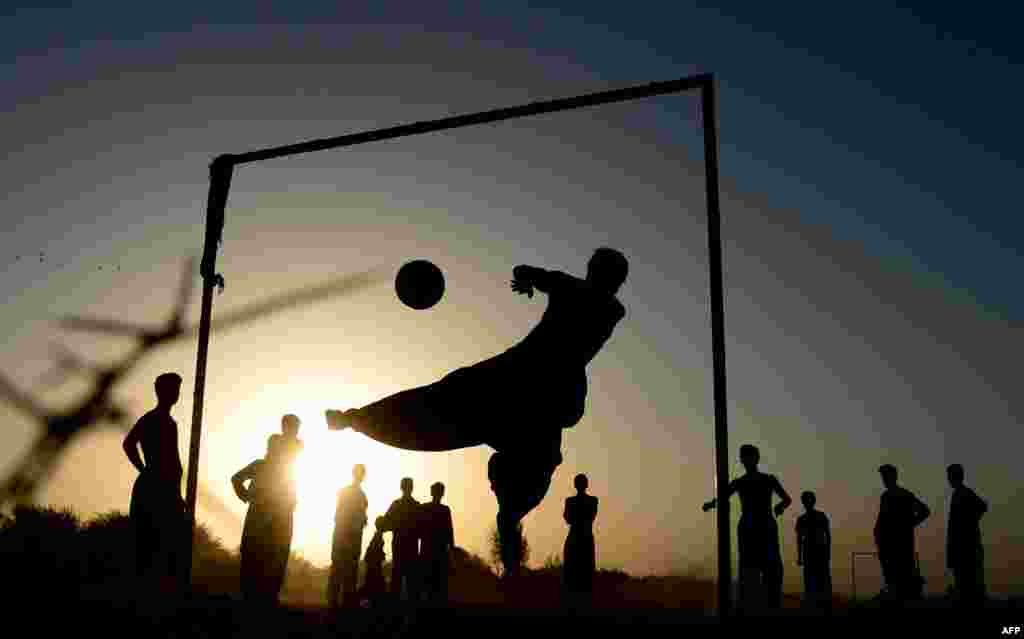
(931, 147)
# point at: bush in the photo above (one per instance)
(466, 562)
(44, 548)
(41, 547)
(108, 547)
(48, 553)
(520, 551)
(553, 564)
(306, 584)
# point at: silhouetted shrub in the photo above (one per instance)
(48, 553)
(464, 561)
(612, 575)
(214, 568)
(521, 551)
(553, 564)
(305, 583)
(39, 549)
(108, 547)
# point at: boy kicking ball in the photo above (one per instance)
(518, 401)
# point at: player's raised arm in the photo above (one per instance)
(526, 278)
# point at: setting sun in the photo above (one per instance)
(322, 469)
(325, 466)
(327, 458)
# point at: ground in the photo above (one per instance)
(122, 611)
(63, 577)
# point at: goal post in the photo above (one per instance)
(222, 169)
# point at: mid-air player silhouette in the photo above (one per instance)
(518, 401)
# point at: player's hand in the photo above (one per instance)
(522, 286)
(779, 509)
(708, 505)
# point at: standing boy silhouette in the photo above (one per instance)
(403, 520)
(438, 539)
(349, 521)
(374, 588)
(965, 555)
(267, 531)
(899, 513)
(579, 553)
(758, 533)
(157, 509)
(814, 553)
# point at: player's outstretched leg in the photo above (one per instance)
(507, 401)
(428, 418)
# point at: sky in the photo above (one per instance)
(867, 158)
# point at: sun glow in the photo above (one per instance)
(325, 466)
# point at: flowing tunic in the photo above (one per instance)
(538, 385)
(579, 561)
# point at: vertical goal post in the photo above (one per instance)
(853, 569)
(222, 169)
